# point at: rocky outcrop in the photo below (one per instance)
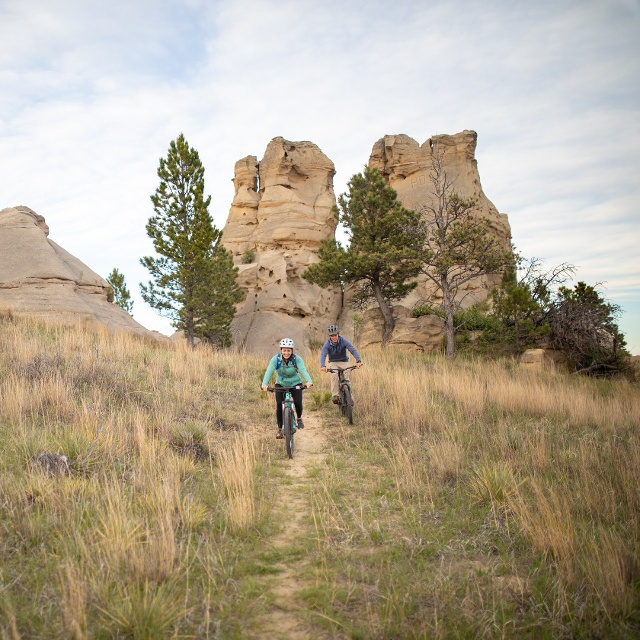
(281, 212)
(425, 333)
(39, 278)
(407, 168)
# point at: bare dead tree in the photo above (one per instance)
(457, 245)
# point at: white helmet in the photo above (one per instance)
(286, 343)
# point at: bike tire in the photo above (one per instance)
(348, 404)
(287, 429)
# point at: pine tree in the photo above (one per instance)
(194, 280)
(121, 294)
(380, 257)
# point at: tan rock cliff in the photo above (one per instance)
(280, 214)
(39, 278)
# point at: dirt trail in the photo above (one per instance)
(285, 621)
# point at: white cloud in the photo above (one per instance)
(91, 94)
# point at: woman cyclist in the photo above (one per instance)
(289, 369)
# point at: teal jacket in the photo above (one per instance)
(286, 374)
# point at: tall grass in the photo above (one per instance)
(237, 473)
(134, 542)
(469, 499)
(544, 465)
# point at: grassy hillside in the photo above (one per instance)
(468, 500)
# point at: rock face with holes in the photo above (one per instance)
(281, 212)
(407, 168)
(39, 278)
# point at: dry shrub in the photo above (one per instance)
(6, 314)
(190, 366)
(536, 451)
(548, 522)
(409, 464)
(445, 457)
(192, 513)
(157, 559)
(24, 399)
(74, 601)
(608, 569)
(15, 399)
(137, 544)
(237, 461)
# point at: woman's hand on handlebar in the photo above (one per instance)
(309, 385)
(264, 387)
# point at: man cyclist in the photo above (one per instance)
(336, 348)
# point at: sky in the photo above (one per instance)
(92, 94)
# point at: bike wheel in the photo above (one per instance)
(287, 429)
(348, 404)
(343, 402)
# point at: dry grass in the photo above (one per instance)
(553, 462)
(237, 473)
(150, 434)
(470, 499)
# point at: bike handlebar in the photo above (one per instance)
(274, 389)
(338, 370)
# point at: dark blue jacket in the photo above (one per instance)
(338, 352)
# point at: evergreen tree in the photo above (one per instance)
(193, 282)
(121, 295)
(524, 300)
(380, 257)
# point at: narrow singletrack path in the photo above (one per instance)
(285, 620)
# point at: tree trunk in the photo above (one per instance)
(389, 322)
(449, 327)
(190, 330)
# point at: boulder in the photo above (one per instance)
(533, 358)
(281, 212)
(39, 278)
(52, 464)
(633, 369)
(425, 334)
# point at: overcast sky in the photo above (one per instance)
(92, 93)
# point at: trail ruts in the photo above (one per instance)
(286, 620)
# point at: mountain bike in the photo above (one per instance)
(345, 397)
(289, 420)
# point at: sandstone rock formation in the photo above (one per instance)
(534, 359)
(410, 334)
(39, 278)
(406, 166)
(280, 214)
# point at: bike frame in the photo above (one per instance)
(288, 407)
(344, 386)
(341, 379)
